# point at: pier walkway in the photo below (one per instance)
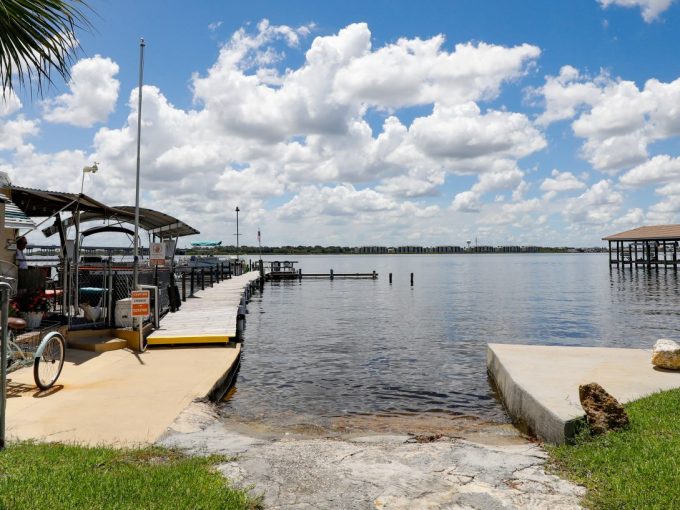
(208, 317)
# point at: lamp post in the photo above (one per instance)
(88, 170)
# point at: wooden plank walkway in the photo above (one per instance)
(209, 317)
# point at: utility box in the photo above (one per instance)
(124, 313)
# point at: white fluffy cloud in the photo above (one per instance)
(9, 104)
(651, 9)
(92, 97)
(462, 132)
(617, 120)
(661, 168)
(561, 181)
(414, 72)
(597, 205)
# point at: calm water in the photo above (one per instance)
(317, 349)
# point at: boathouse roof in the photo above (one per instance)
(650, 233)
(39, 202)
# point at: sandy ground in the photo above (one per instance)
(369, 463)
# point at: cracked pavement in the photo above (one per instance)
(385, 471)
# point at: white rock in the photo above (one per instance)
(666, 354)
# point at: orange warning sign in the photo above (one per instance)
(140, 303)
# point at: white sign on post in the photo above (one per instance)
(157, 253)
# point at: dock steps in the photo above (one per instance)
(95, 341)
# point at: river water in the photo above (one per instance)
(317, 351)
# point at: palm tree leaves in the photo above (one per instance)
(37, 38)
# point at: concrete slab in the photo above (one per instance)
(117, 397)
(539, 384)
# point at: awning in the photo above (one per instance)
(43, 203)
(15, 217)
(158, 223)
(155, 222)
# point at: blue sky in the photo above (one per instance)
(360, 123)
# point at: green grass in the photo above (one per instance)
(638, 468)
(51, 476)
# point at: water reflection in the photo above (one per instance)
(318, 350)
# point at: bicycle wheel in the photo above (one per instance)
(48, 363)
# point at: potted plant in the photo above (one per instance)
(31, 304)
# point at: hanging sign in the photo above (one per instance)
(140, 303)
(157, 253)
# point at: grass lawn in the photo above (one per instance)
(37, 476)
(638, 468)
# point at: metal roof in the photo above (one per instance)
(37, 202)
(158, 223)
(155, 222)
(650, 233)
(42, 203)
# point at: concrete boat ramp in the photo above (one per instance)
(539, 384)
(124, 397)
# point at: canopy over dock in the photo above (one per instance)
(645, 246)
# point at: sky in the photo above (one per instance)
(369, 123)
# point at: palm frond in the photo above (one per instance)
(38, 38)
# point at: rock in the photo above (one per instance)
(603, 411)
(666, 354)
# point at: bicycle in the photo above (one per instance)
(45, 347)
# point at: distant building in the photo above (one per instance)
(410, 249)
(371, 249)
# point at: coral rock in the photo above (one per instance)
(666, 354)
(603, 411)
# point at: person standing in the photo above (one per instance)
(21, 261)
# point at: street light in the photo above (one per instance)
(88, 170)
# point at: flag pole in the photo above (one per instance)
(135, 277)
(135, 270)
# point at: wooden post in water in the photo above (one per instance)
(331, 274)
(300, 274)
(374, 275)
(665, 257)
(411, 279)
(390, 278)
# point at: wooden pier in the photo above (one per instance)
(332, 275)
(209, 317)
(648, 247)
(285, 270)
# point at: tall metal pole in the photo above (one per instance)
(237, 250)
(135, 273)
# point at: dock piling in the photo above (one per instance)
(192, 282)
(331, 274)
(411, 279)
(390, 278)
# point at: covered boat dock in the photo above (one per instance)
(650, 246)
